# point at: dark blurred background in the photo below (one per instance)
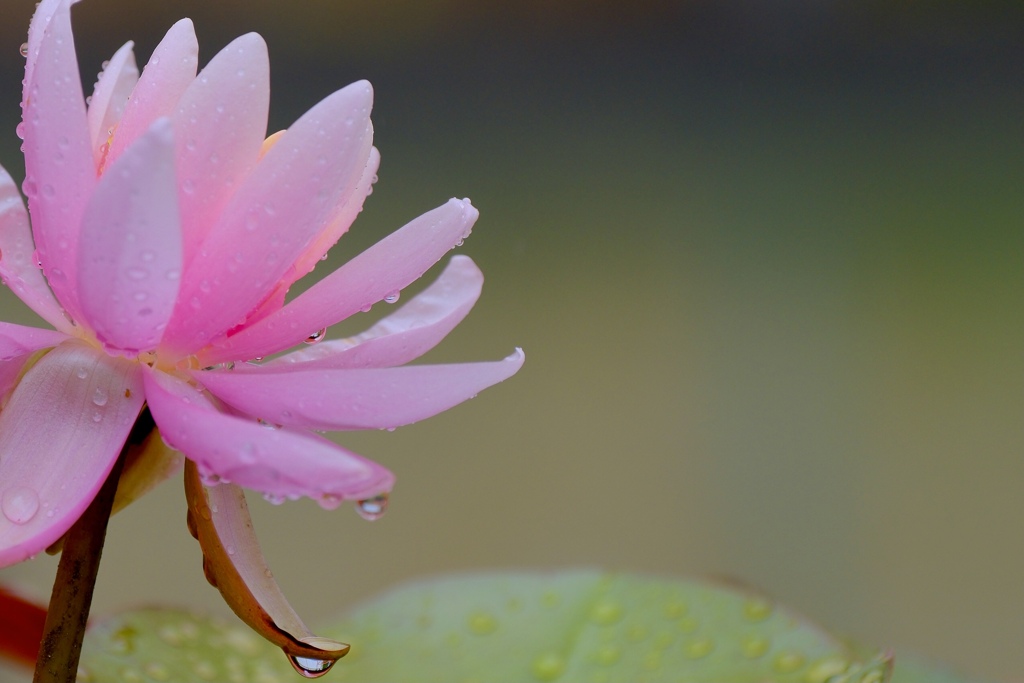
(767, 263)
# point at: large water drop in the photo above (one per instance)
(374, 508)
(20, 504)
(309, 667)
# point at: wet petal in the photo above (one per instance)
(406, 334)
(171, 68)
(283, 205)
(18, 267)
(60, 172)
(278, 462)
(17, 343)
(110, 96)
(363, 398)
(234, 563)
(220, 125)
(60, 434)
(130, 261)
(385, 268)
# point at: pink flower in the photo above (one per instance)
(165, 234)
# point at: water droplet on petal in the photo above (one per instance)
(274, 498)
(372, 509)
(309, 667)
(82, 373)
(23, 49)
(100, 397)
(19, 130)
(316, 336)
(392, 297)
(20, 504)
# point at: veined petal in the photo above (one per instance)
(110, 96)
(60, 434)
(130, 260)
(171, 68)
(283, 205)
(18, 267)
(17, 343)
(219, 518)
(220, 125)
(383, 269)
(60, 172)
(406, 334)
(279, 462)
(362, 398)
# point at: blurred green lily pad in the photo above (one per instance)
(580, 626)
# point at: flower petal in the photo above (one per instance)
(171, 68)
(130, 260)
(60, 172)
(406, 334)
(109, 98)
(220, 125)
(283, 205)
(219, 519)
(17, 343)
(18, 267)
(362, 398)
(279, 462)
(383, 269)
(149, 464)
(60, 434)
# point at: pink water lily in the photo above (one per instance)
(165, 233)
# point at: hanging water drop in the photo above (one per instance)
(372, 509)
(19, 130)
(316, 336)
(309, 667)
(392, 297)
(23, 49)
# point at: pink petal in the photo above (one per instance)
(130, 261)
(363, 398)
(110, 96)
(60, 170)
(406, 334)
(283, 205)
(170, 70)
(281, 463)
(16, 344)
(60, 434)
(382, 270)
(18, 267)
(220, 125)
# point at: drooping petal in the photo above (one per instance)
(219, 519)
(383, 269)
(220, 125)
(18, 267)
(60, 434)
(17, 343)
(130, 260)
(362, 398)
(406, 334)
(279, 462)
(283, 205)
(171, 68)
(110, 96)
(60, 172)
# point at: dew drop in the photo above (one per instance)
(605, 613)
(374, 508)
(392, 297)
(548, 667)
(19, 130)
(274, 498)
(82, 373)
(136, 273)
(20, 504)
(316, 336)
(100, 397)
(482, 623)
(699, 648)
(97, 417)
(308, 667)
(23, 49)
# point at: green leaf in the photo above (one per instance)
(572, 626)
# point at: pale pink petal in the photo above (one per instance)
(406, 334)
(109, 98)
(382, 270)
(60, 434)
(130, 260)
(362, 398)
(220, 125)
(273, 218)
(281, 463)
(17, 343)
(60, 172)
(171, 68)
(18, 267)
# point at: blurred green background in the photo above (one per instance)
(767, 263)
